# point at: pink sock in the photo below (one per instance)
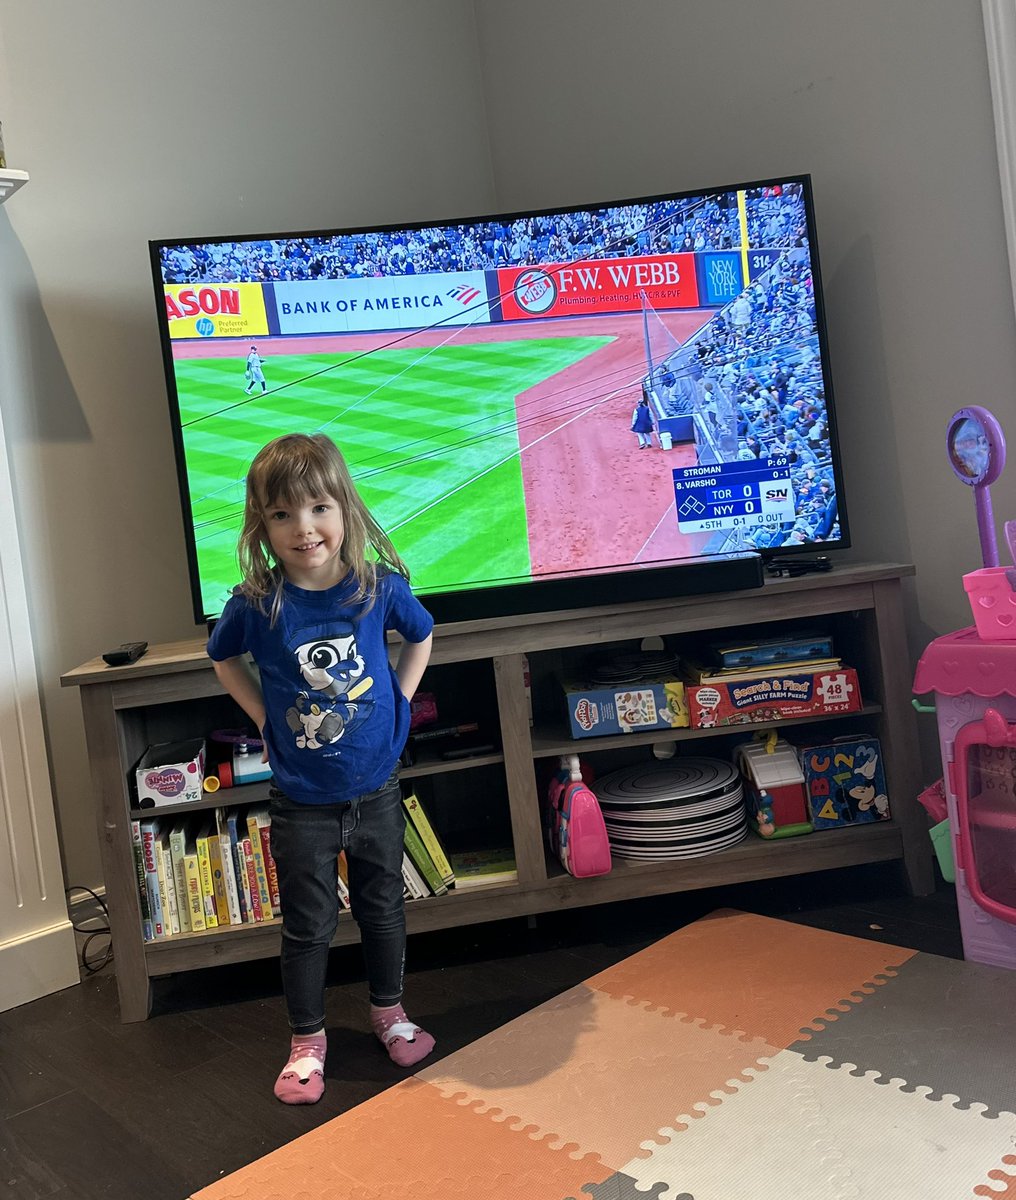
(405, 1042)
(302, 1080)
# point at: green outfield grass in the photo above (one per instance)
(430, 436)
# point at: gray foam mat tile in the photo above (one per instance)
(938, 1023)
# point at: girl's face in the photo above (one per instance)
(306, 539)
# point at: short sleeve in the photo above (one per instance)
(403, 612)
(229, 636)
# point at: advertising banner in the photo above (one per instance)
(721, 276)
(388, 302)
(598, 285)
(215, 310)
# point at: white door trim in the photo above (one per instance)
(1000, 38)
(37, 947)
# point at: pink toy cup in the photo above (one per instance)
(993, 603)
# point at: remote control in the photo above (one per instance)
(127, 653)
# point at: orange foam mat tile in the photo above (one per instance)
(1003, 1182)
(411, 1142)
(767, 978)
(590, 1071)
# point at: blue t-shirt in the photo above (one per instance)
(336, 717)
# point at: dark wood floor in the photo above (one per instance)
(92, 1108)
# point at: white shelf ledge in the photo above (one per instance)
(10, 181)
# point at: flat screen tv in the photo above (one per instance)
(544, 410)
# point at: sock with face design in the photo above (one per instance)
(302, 1079)
(405, 1042)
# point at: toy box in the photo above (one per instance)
(845, 782)
(171, 773)
(636, 708)
(773, 697)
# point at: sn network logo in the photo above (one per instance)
(464, 293)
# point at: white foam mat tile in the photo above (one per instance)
(810, 1131)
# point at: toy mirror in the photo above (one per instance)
(976, 447)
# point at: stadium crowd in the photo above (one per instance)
(754, 369)
(775, 218)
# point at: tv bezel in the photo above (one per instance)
(557, 593)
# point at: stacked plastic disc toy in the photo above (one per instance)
(682, 808)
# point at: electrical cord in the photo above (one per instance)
(93, 966)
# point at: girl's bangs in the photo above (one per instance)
(284, 485)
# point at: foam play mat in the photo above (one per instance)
(741, 1056)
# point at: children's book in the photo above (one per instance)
(260, 867)
(218, 876)
(257, 912)
(229, 875)
(160, 875)
(418, 816)
(228, 869)
(415, 885)
(343, 876)
(343, 889)
(149, 829)
(147, 931)
(264, 824)
(423, 862)
(845, 782)
(475, 868)
(167, 881)
(195, 901)
(177, 849)
(235, 830)
(205, 875)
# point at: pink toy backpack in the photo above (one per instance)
(575, 825)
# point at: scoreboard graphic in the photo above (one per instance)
(734, 495)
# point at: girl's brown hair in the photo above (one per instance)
(291, 470)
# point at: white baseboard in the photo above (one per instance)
(34, 966)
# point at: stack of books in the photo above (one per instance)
(426, 870)
(215, 868)
(478, 868)
(198, 872)
(429, 870)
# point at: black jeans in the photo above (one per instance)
(306, 840)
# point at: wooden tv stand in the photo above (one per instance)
(160, 698)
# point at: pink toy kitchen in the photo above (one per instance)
(972, 674)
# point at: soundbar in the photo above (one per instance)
(707, 575)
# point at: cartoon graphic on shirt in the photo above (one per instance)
(328, 660)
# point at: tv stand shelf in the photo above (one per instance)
(117, 701)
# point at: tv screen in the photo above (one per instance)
(541, 407)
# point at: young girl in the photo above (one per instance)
(313, 611)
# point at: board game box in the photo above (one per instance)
(774, 696)
(635, 708)
(772, 651)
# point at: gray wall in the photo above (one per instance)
(887, 104)
(141, 121)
